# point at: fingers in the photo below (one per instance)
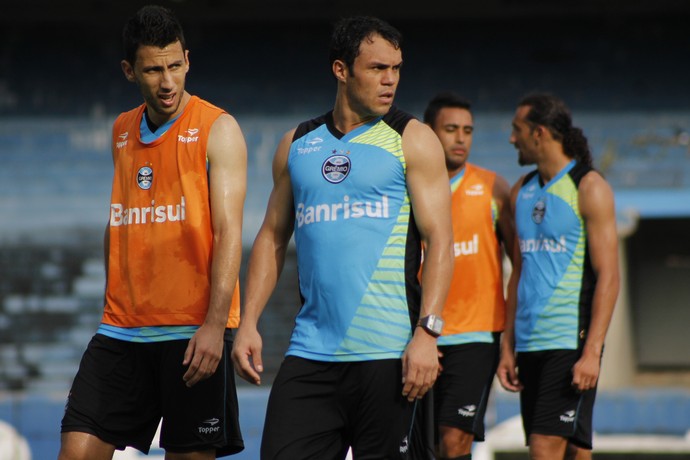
(508, 379)
(248, 366)
(202, 366)
(246, 357)
(417, 383)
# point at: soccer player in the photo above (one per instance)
(173, 248)
(474, 312)
(362, 186)
(568, 283)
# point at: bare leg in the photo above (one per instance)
(577, 453)
(84, 446)
(455, 442)
(544, 447)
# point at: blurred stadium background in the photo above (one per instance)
(622, 66)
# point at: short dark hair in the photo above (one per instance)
(551, 112)
(442, 101)
(349, 33)
(152, 25)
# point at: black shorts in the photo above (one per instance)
(461, 392)
(122, 390)
(549, 403)
(316, 410)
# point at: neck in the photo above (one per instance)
(346, 116)
(160, 120)
(552, 165)
(455, 171)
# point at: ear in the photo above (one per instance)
(128, 70)
(340, 70)
(186, 60)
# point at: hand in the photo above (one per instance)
(507, 372)
(419, 365)
(203, 354)
(586, 372)
(246, 354)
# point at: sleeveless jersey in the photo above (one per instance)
(475, 301)
(557, 281)
(161, 239)
(358, 249)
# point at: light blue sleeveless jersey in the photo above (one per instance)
(358, 249)
(557, 282)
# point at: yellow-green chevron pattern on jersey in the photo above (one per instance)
(385, 137)
(555, 330)
(386, 293)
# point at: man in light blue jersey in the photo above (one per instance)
(362, 186)
(568, 281)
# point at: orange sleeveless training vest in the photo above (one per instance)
(161, 239)
(475, 300)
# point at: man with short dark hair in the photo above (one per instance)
(474, 312)
(362, 186)
(173, 248)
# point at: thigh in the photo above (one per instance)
(205, 416)
(462, 390)
(551, 406)
(304, 418)
(113, 396)
(381, 421)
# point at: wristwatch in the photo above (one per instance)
(432, 324)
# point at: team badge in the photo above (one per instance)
(336, 168)
(538, 212)
(145, 178)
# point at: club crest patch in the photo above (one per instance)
(336, 168)
(145, 178)
(538, 212)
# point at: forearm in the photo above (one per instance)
(603, 303)
(265, 265)
(225, 268)
(436, 275)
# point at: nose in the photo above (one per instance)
(167, 80)
(460, 136)
(390, 77)
(512, 138)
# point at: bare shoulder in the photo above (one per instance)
(501, 191)
(225, 140)
(595, 194)
(419, 141)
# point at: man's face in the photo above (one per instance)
(160, 74)
(454, 127)
(374, 77)
(522, 137)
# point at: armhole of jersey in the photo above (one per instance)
(579, 171)
(397, 119)
(308, 126)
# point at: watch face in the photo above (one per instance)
(436, 324)
(433, 324)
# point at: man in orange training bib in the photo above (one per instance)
(173, 249)
(474, 311)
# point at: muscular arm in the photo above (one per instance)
(506, 222)
(506, 372)
(427, 183)
(265, 264)
(227, 156)
(598, 212)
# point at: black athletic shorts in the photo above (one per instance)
(122, 390)
(549, 403)
(461, 392)
(316, 410)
